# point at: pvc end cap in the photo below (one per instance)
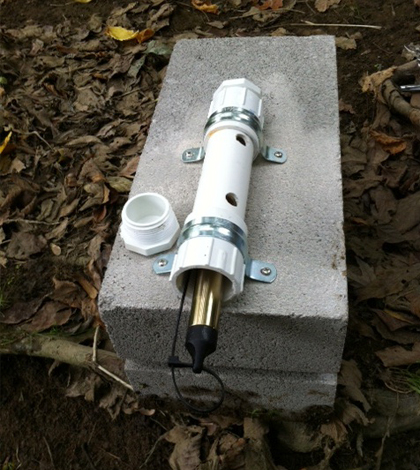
(149, 225)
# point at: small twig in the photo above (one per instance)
(41, 222)
(102, 369)
(91, 464)
(333, 25)
(49, 452)
(151, 452)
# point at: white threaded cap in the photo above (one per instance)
(149, 225)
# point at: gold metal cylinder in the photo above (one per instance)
(207, 298)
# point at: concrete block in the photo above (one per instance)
(294, 215)
(289, 392)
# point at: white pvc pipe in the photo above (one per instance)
(230, 144)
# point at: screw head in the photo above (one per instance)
(162, 262)
(265, 271)
(188, 154)
(278, 154)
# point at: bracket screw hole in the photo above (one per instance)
(265, 271)
(188, 154)
(162, 263)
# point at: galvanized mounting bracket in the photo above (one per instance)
(274, 155)
(163, 263)
(255, 269)
(193, 155)
(260, 271)
(270, 154)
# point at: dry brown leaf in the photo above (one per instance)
(206, 6)
(323, 5)
(389, 281)
(407, 215)
(120, 184)
(374, 81)
(5, 142)
(344, 107)
(68, 293)
(351, 378)
(254, 428)
(25, 244)
(130, 168)
(144, 35)
(186, 453)
(399, 356)
(393, 145)
(335, 429)
(69, 208)
(345, 43)
(20, 311)
(50, 314)
(271, 5)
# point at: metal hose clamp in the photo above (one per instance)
(244, 116)
(215, 227)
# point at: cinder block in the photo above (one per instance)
(294, 215)
(290, 392)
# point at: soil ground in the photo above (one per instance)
(39, 427)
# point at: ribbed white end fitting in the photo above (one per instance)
(238, 93)
(149, 225)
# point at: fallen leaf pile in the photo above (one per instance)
(75, 108)
(381, 170)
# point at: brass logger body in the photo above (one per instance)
(205, 313)
(207, 298)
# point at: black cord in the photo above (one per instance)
(175, 363)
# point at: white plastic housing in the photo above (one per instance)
(222, 192)
(149, 225)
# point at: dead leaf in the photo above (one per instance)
(351, 378)
(144, 35)
(344, 107)
(5, 142)
(186, 453)
(120, 184)
(323, 5)
(206, 6)
(68, 293)
(130, 168)
(82, 1)
(50, 314)
(389, 281)
(271, 5)
(345, 43)
(120, 34)
(335, 429)
(20, 311)
(254, 428)
(399, 356)
(84, 383)
(374, 81)
(393, 145)
(407, 215)
(25, 244)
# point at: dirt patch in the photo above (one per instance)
(41, 428)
